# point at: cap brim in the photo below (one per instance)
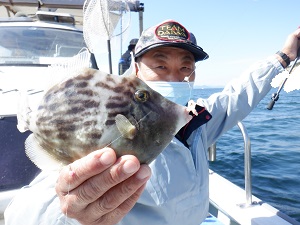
(197, 51)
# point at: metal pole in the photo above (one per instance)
(121, 32)
(109, 56)
(212, 152)
(247, 163)
(141, 21)
(141, 9)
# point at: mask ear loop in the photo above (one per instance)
(187, 79)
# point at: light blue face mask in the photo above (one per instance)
(178, 92)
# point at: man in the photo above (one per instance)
(125, 60)
(101, 189)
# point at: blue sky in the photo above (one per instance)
(235, 33)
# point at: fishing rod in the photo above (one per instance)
(275, 96)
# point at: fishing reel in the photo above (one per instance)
(274, 98)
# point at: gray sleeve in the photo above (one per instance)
(239, 97)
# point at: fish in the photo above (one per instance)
(93, 110)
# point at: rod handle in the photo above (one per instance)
(271, 104)
(274, 98)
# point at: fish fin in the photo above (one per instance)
(69, 68)
(23, 112)
(125, 127)
(39, 156)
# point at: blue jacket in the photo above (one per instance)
(177, 192)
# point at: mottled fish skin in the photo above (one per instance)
(78, 116)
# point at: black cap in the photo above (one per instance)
(169, 33)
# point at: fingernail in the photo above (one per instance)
(143, 173)
(107, 158)
(130, 167)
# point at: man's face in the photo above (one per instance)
(167, 64)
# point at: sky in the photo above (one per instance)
(235, 33)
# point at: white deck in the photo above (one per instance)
(228, 197)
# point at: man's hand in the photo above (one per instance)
(292, 45)
(100, 189)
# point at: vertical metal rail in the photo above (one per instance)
(141, 17)
(212, 152)
(247, 161)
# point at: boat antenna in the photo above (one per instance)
(275, 96)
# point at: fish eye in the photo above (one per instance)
(141, 95)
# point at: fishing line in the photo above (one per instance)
(71, 173)
(137, 122)
(186, 79)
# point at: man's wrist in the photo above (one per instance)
(283, 59)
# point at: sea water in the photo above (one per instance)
(275, 146)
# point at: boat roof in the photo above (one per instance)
(43, 19)
(74, 7)
(134, 5)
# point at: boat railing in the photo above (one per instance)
(247, 162)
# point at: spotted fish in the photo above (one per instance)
(93, 110)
